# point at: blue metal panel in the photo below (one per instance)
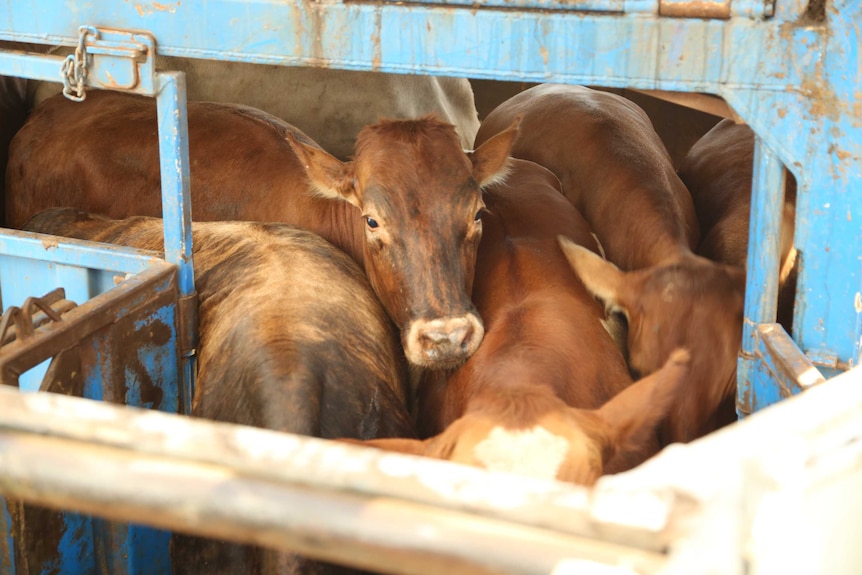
(75, 252)
(799, 93)
(761, 298)
(7, 543)
(795, 79)
(37, 267)
(629, 50)
(53, 263)
(176, 202)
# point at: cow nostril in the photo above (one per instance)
(458, 336)
(435, 337)
(461, 335)
(443, 342)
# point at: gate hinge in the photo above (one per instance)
(187, 306)
(110, 59)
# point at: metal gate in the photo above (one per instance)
(789, 68)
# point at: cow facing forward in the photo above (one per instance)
(548, 394)
(406, 207)
(614, 168)
(291, 338)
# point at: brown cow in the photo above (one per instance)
(718, 172)
(548, 393)
(616, 171)
(14, 108)
(406, 208)
(292, 338)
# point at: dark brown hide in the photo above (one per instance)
(13, 113)
(291, 338)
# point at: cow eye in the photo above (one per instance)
(372, 223)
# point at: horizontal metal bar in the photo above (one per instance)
(336, 520)
(280, 457)
(79, 253)
(791, 369)
(604, 6)
(634, 50)
(43, 67)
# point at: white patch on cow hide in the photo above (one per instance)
(534, 452)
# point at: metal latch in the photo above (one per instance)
(721, 9)
(109, 59)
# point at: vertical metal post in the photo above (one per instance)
(176, 213)
(761, 289)
(7, 543)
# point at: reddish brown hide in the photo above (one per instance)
(615, 169)
(405, 208)
(291, 338)
(13, 112)
(718, 172)
(548, 392)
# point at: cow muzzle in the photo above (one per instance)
(443, 343)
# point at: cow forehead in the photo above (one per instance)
(684, 285)
(422, 200)
(430, 157)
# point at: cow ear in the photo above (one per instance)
(329, 177)
(491, 159)
(601, 278)
(637, 410)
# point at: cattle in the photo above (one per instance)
(548, 393)
(615, 170)
(718, 172)
(406, 207)
(14, 108)
(330, 105)
(292, 339)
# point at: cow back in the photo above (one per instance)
(612, 165)
(291, 338)
(241, 166)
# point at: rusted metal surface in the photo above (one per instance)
(22, 321)
(695, 8)
(104, 317)
(377, 510)
(320, 464)
(120, 346)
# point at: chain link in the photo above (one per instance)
(74, 70)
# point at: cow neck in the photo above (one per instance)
(340, 223)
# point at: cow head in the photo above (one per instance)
(419, 197)
(560, 442)
(692, 303)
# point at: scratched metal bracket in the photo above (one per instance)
(120, 347)
(774, 368)
(108, 58)
(112, 60)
